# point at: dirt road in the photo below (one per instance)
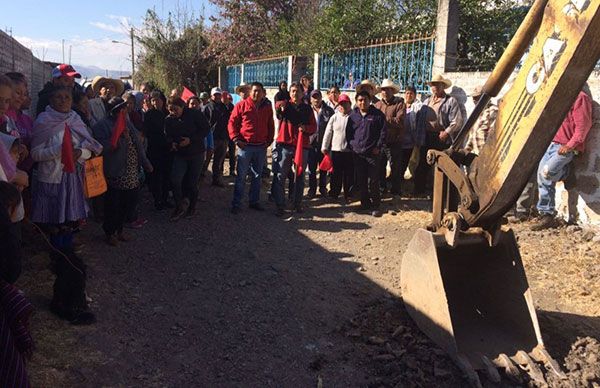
(255, 301)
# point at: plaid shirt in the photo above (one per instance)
(482, 128)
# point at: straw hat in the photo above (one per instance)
(100, 81)
(367, 85)
(389, 84)
(438, 78)
(241, 87)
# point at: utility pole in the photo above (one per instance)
(12, 44)
(446, 36)
(70, 47)
(132, 58)
(63, 50)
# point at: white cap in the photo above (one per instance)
(214, 91)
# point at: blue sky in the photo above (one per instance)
(88, 28)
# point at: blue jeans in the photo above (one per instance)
(553, 168)
(251, 157)
(283, 157)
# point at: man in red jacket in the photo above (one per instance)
(295, 117)
(568, 142)
(251, 127)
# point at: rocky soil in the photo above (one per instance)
(256, 301)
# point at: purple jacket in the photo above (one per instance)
(366, 133)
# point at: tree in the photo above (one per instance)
(246, 29)
(253, 28)
(343, 24)
(486, 28)
(175, 52)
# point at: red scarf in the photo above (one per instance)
(67, 157)
(299, 154)
(119, 127)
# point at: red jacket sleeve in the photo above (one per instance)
(582, 117)
(235, 122)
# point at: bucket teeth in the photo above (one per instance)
(534, 371)
(471, 375)
(490, 369)
(511, 371)
(540, 354)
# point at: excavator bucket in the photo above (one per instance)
(472, 300)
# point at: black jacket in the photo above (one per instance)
(10, 259)
(324, 116)
(191, 124)
(218, 117)
(154, 130)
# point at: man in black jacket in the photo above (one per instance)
(322, 113)
(185, 129)
(218, 116)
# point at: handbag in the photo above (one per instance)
(94, 182)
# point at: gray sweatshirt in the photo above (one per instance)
(335, 133)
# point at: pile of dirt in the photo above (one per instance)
(396, 351)
(582, 365)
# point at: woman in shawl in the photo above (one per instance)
(60, 144)
(124, 156)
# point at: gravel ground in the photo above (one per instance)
(255, 301)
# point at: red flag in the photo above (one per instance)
(187, 94)
(119, 127)
(66, 154)
(326, 164)
(299, 154)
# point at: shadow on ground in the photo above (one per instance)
(247, 300)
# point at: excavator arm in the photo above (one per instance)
(463, 280)
(562, 55)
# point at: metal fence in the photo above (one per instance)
(269, 72)
(234, 77)
(408, 62)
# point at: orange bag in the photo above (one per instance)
(94, 183)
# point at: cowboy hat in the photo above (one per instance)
(100, 81)
(242, 86)
(389, 84)
(367, 85)
(438, 78)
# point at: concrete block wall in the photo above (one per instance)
(16, 57)
(582, 202)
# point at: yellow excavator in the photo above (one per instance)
(462, 278)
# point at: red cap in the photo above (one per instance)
(344, 98)
(65, 70)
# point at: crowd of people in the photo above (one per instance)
(362, 147)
